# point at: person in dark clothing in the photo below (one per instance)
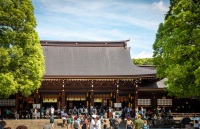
(84, 123)
(123, 116)
(186, 121)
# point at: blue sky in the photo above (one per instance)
(102, 20)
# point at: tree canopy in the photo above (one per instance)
(143, 61)
(21, 57)
(177, 49)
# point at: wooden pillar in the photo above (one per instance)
(36, 97)
(174, 103)
(117, 93)
(92, 94)
(132, 101)
(136, 100)
(112, 99)
(129, 100)
(117, 98)
(153, 103)
(92, 98)
(63, 98)
(137, 82)
(17, 101)
(87, 100)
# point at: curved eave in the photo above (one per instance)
(150, 89)
(103, 76)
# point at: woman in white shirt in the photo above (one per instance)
(98, 123)
(196, 124)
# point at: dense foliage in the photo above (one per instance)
(143, 61)
(21, 57)
(177, 48)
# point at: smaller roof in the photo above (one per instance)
(158, 85)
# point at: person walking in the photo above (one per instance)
(138, 123)
(85, 123)
(76, 123)
(105, 124)
(145, 126)
(129, 123)
(52, 121)
(116, 123)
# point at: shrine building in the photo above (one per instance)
(95, 73)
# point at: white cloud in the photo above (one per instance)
(160, 6)
(138, 14)
(101, 20)
(143, 54)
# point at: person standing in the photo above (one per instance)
(141, 112)
(98, 123)
(105, 124)
(145, 126)
(93, 122)
(136, 112)
(76, 123)
(149, 115)
(47, 112)
(52, 121)
(129, 123)
(157, 111)
(42, 112)
(186, 121)
(138, 122)
(116, 123)
(35, 113)
(163, 114)
(101, 112)
(52, 110)
(17, 115)
(85, 123)
(196, 124)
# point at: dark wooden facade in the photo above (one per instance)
(99, 73)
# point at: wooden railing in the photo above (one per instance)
(186, 114)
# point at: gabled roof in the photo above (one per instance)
(154, 85)
(90, 59)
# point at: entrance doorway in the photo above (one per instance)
(48, 105)
(78, 104)
(104, 103)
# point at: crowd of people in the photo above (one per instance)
(94, 118)
(82, 119)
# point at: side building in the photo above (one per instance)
(98, 73)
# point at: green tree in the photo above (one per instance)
(21, 57)
(143, 61)
(177, 49)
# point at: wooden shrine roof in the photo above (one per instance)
(154, 85)
(90, 59)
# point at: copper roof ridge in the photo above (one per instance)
(122, 43)
(101, 76)
(102, 41)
